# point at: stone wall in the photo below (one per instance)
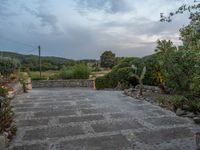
(62, 83)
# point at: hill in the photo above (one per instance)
(48, 62)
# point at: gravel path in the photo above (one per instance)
(82, 119)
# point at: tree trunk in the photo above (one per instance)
(141, 87)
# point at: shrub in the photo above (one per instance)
(3, 91)
(8, 65)
(81, 72)
(6, 119)
(39, 78)
(66, 73)
(195, 105)
(177, 101)
(102, 83)
(24, 79)
(160, 100)
(54, 77)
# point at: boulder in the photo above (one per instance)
(189, 114)
(186, 107)
(180, 112)
(196, 120)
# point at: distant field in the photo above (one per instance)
(45, 74)
(35, 75)
(99, 74)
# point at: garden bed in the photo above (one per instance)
(167, 101)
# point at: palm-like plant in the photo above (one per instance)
(163, 46)
(139, 77)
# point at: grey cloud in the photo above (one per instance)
(45, 17)
(4, 11)
(109, 6)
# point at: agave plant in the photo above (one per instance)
(139, 77)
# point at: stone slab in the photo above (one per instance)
(81, 118)
(115, 142)
(116, 126)
(42, 134)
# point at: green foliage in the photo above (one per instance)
(3, 91)
(8, 65)
(81, 72)
(48, 63)
(7, 119)
(102, 83)
(38, 78)
(160, 100)
(108, 59)
(177, 101)
(180, 67)
(195, 105)
(139, 77)
(24, 79)
(66, 73)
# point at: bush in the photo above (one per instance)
(102, 83)
(81, 72)
(160, 100)
(39, 78)
(177, 101)
(54, 77)
(195, 106)
(3, 91)
(66, 73)
(8, 65)
(6, 119)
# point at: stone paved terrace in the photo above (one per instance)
(81, 119)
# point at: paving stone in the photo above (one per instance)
(116, 125)
(95, 118)
(42, 134)
(54, 113)
(163, 135)
(23, 123)
(97, 110)
(34, 109)
(81, 118)
(120, 115)
(23, 105)
(166, 121)
(115, 142)
(31, 147)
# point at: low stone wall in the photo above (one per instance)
(63, 83)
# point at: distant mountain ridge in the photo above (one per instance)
(23, 56)
(48, 62)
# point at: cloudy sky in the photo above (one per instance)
(81, 29)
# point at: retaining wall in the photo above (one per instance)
(62, 83)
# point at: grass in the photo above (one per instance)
(35, 75)
(45, 74)
(99, 74)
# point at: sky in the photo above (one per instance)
(83, 29)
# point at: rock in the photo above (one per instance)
(198, 140)
(196, 120)
(2, 143)
(186, 107)
(189, 114)
(180, 112)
